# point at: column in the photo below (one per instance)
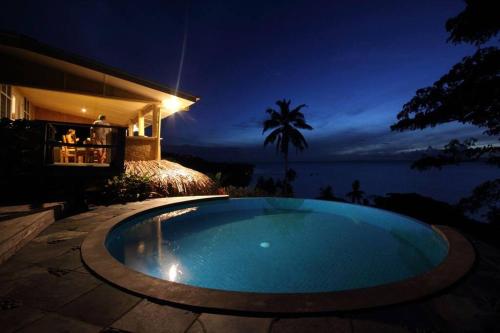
(140, 122)
(130, 128)
(156, 130)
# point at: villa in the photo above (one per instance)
(63, 92)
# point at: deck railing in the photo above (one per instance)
(71, 144)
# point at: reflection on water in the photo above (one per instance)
(166, 216)
(264, 245)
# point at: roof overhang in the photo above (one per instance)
(142, 92)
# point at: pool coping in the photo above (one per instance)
(459, 261)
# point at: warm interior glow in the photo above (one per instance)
(13, 107)
(141, 247)
(136, 129)
(84, 110)
(172, 104)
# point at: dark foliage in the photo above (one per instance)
(266, 185)
(456, 152)
(485, 197)
(478, 23)
(232, 174)
(422, 208)
(326, 193)
(126, 188)
(21, 151)
(436, 212)
(356, 195)
(284, 188)
(291, 175)
(468, 93)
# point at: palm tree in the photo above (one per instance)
(286, 124)
(356, 195)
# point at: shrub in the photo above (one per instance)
(127, 187)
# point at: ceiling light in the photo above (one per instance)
(84, 110)
(171, 104)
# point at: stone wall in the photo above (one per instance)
(140, 148)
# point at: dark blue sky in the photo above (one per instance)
(354, 63)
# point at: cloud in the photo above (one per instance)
(360, 143)
(384, 142)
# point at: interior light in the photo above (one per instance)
(141, 247)
(84, 110)
(136, 129)
(172, 104)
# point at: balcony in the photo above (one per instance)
(81, 145)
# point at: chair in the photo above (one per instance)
(67, 152)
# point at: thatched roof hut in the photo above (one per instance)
(171, 176)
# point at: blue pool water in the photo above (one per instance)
(276, 245)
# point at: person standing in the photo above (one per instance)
(99, 136)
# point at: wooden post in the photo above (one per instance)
(140, 122)
(130, 128)
(156, 130)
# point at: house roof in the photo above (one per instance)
(32, 45)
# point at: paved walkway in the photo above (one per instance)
(46, 288)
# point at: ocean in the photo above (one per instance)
(378, 178)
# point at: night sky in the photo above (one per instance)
(354, 63)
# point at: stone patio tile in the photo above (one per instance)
(484, 285)
(487, 251)
(54, 323)
(152, 318)
(82, 216)
(88, 226)
(16, 318)
(83, 270)
(49, 291)
(368, 326)
(69, 260)
(60, 235)
(38, 251)
(460, 313)
(11, 268)
(196, 327)
(15, 272)
(414, 316)
(311, 325)
(101, 306)
(213, 323)
(77, 226)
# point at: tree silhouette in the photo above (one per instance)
(326, 193)
(469, 93)
(286, 125)
(356, 195)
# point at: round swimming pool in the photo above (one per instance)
(277, 245)
(273, 255)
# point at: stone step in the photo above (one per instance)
(22, 227)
